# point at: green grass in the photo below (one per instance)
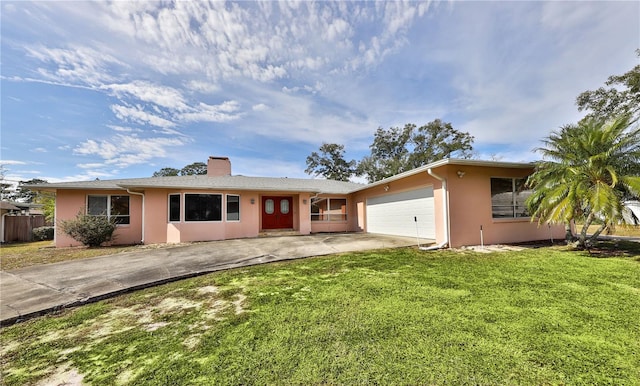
(539, 316)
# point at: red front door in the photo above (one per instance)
(277, 213)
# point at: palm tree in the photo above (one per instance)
(588, 171)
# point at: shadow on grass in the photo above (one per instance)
(615, 248)
(603, 249)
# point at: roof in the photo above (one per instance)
(8, 206)
(450, 161)
(205, 182)
(264, 184)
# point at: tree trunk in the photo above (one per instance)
(568, 233)
(594, 236)
(582, 239)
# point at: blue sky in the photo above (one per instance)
(121, 89)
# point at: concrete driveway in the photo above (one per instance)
(31, 291)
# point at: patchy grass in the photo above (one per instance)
(19, 255)
(538, 316)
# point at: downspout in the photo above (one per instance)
(445, 212)
(3, 230)
(142, 195)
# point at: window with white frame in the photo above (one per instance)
(233, 207)
(115, 207)
(202, 207)
(328, 209)
(508, 196)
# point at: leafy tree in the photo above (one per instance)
(24, 194)
(166, 172)
(438, 140)
(6, 188)
(196, 168)
(90, 230)
(622, 97)
(48, 201)
(330, 163)
(397, 150)
(588, 171)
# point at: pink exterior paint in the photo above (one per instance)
(470, 207)
(335, 226)
(218, 166)
(160, 230)
(71, 202)
(416, 181)
(304, 203)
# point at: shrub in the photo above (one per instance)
(92, 231)
(43, 233)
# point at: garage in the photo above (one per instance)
(396, 214)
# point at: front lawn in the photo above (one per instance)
(20, 255)
(538, 316)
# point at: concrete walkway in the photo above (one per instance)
(32, 291)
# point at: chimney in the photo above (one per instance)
(218, 167)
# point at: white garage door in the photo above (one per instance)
(395, 214)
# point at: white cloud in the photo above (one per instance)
(260, 107)
(300, 73)
(202, 86)
(95, 165)
(211, 113)
(11, 162)
(137, 114)
(123, 129)
(164, 96)
(123, 151)
(75, 65)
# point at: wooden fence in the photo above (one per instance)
(20, 228)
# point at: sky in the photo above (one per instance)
(121, 89)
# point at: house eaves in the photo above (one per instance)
(203, 182)
(243, 183)
(448, 161)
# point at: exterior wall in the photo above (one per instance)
(305, 226)
(218, 166)
(334, 226)
(470, 208)
(160, 230)
(422, 180)
(70, 202)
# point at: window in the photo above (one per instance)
(174, 208)
(269, 206)
(508, 196)
(203, 207)
(328, 209)
(116, 208)
(233, 207)
(284, 206)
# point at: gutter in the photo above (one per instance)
(445, 213)
(142, 195)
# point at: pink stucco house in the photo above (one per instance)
(446, 202)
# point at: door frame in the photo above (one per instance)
(286, 222)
